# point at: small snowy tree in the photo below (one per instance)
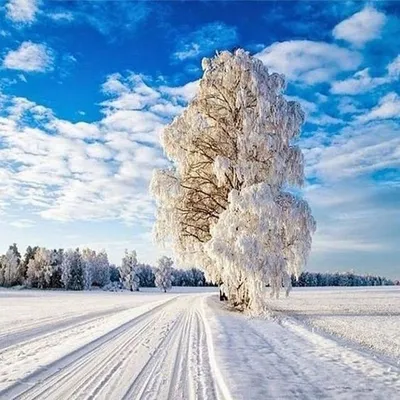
(164, 274)
(40, 270)
(223, 203)
(129, 271)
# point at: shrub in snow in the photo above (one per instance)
(222, 204)
(129, 271)
(164, 274)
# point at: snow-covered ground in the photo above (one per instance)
(186, 345)
(368, 316)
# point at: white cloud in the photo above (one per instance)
(183, 93)
(61, 16)
(357, 150)
(348, 105)
(191, 50)
(23, 223)
(308, 61)
(22, 11)
(362, 27)
(387, 108)
(87, 171)
(79, 130)
(208, 38)
(361, 82)
(394, 68)
(30, 57)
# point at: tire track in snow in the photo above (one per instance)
(179, 367)
(13, 338)
(55, 370)
(163, 353)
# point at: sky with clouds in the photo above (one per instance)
(86, 88)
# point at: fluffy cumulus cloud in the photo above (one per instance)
(362, 27)
(210, 37)
(308, 61)
(87, 171)
(22, 11)
(29, 57)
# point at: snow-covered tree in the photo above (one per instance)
(89, 263)
(102, 269)
(29, 255)
(146, 276)
(223, 203)
(129, 271)
(10, 268)
(164, 273)
(40, 270)
(72, 270)
(56, 257)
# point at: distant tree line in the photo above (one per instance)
(76, 269)
(340, 279)
(83, 269)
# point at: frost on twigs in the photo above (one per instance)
(223, 205)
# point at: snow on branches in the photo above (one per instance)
(222, 205)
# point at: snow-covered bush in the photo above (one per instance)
(223, 200)
(164, 274)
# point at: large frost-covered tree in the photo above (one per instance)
(129, 271)
(164, 274)
(223, 204)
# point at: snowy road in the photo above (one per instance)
(174, 346)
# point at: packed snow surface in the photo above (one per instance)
(187, 345)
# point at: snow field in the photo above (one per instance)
(188, 345)
(367, 316)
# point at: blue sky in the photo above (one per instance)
(87, 87)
